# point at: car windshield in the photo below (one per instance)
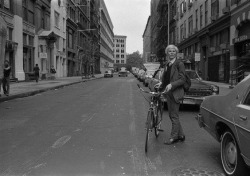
(192, 74)
(150, 72)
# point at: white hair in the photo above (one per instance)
(171, 47)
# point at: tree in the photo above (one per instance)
(87, 55)
(134, 60)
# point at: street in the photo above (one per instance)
(97, 128)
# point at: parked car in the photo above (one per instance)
(108, 74)
(123, 73)
(148, 76)
(139, 75)
(227, 119)
(198, 90)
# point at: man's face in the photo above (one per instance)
(172, 53)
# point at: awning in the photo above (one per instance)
(51, 35)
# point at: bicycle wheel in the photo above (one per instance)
(158, 118)
(149, 125)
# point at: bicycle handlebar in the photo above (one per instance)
(152, 93)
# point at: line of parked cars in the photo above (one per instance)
(198, 90)
(226, 118)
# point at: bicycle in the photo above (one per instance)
(154, 116)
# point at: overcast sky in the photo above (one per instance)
(129, 18)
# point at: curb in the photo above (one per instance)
(31, 93)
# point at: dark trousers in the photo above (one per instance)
(6, 85)
(173, 110)
(1, 80)
(37, 76)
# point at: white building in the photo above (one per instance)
(120, 51)
(106, 39)
(58, 26)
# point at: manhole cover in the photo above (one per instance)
(194, 172)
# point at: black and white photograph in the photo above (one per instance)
(124, 87)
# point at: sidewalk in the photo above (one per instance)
(24, 89)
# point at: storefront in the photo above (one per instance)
(218, 63)
(242, 48)
(240, 42)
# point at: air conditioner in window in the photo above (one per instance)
(226, 10)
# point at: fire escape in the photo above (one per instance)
(162, 24)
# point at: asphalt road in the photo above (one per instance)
(97, 128)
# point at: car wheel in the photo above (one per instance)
(231, 158)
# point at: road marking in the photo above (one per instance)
(61, 141)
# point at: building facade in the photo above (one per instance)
(106, 39)
(58, 26)
(212, 35)
(240, 38)
(155, 28)
(147, 42)
(64, 34)
(120, 56)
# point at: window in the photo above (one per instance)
(31, 40)
(184, 28)
(6, 4)
(185, 5)
(247, 100)
(122, 61)
(190, 24)
(196, 19)
(64, 45)
(117, 61)
(56, 19)
(57, 44)
(206, 12)
(122, 56)
(64, 25)
(182, 31)
(201, 17)
(25, 39)
(182, 9)
(9, 33)
(117, 56)
(122, 51)
(70, 38)
(28, 11)
(43, 20)
(215, 8)
(117, 50)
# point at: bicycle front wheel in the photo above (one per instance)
(149, 125)
(158, 118)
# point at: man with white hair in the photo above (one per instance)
(173, 79)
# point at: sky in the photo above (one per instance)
(129, 18)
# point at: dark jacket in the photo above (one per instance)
(6, 72)
(177, 80)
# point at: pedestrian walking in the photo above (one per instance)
(6, 78)
(36, 70)
(173, 79)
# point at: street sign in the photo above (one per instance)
(180, 55)
(197, 57)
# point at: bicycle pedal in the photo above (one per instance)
(161, 130)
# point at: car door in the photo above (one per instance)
(242, 121)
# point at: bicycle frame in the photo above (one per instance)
(153, 121)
